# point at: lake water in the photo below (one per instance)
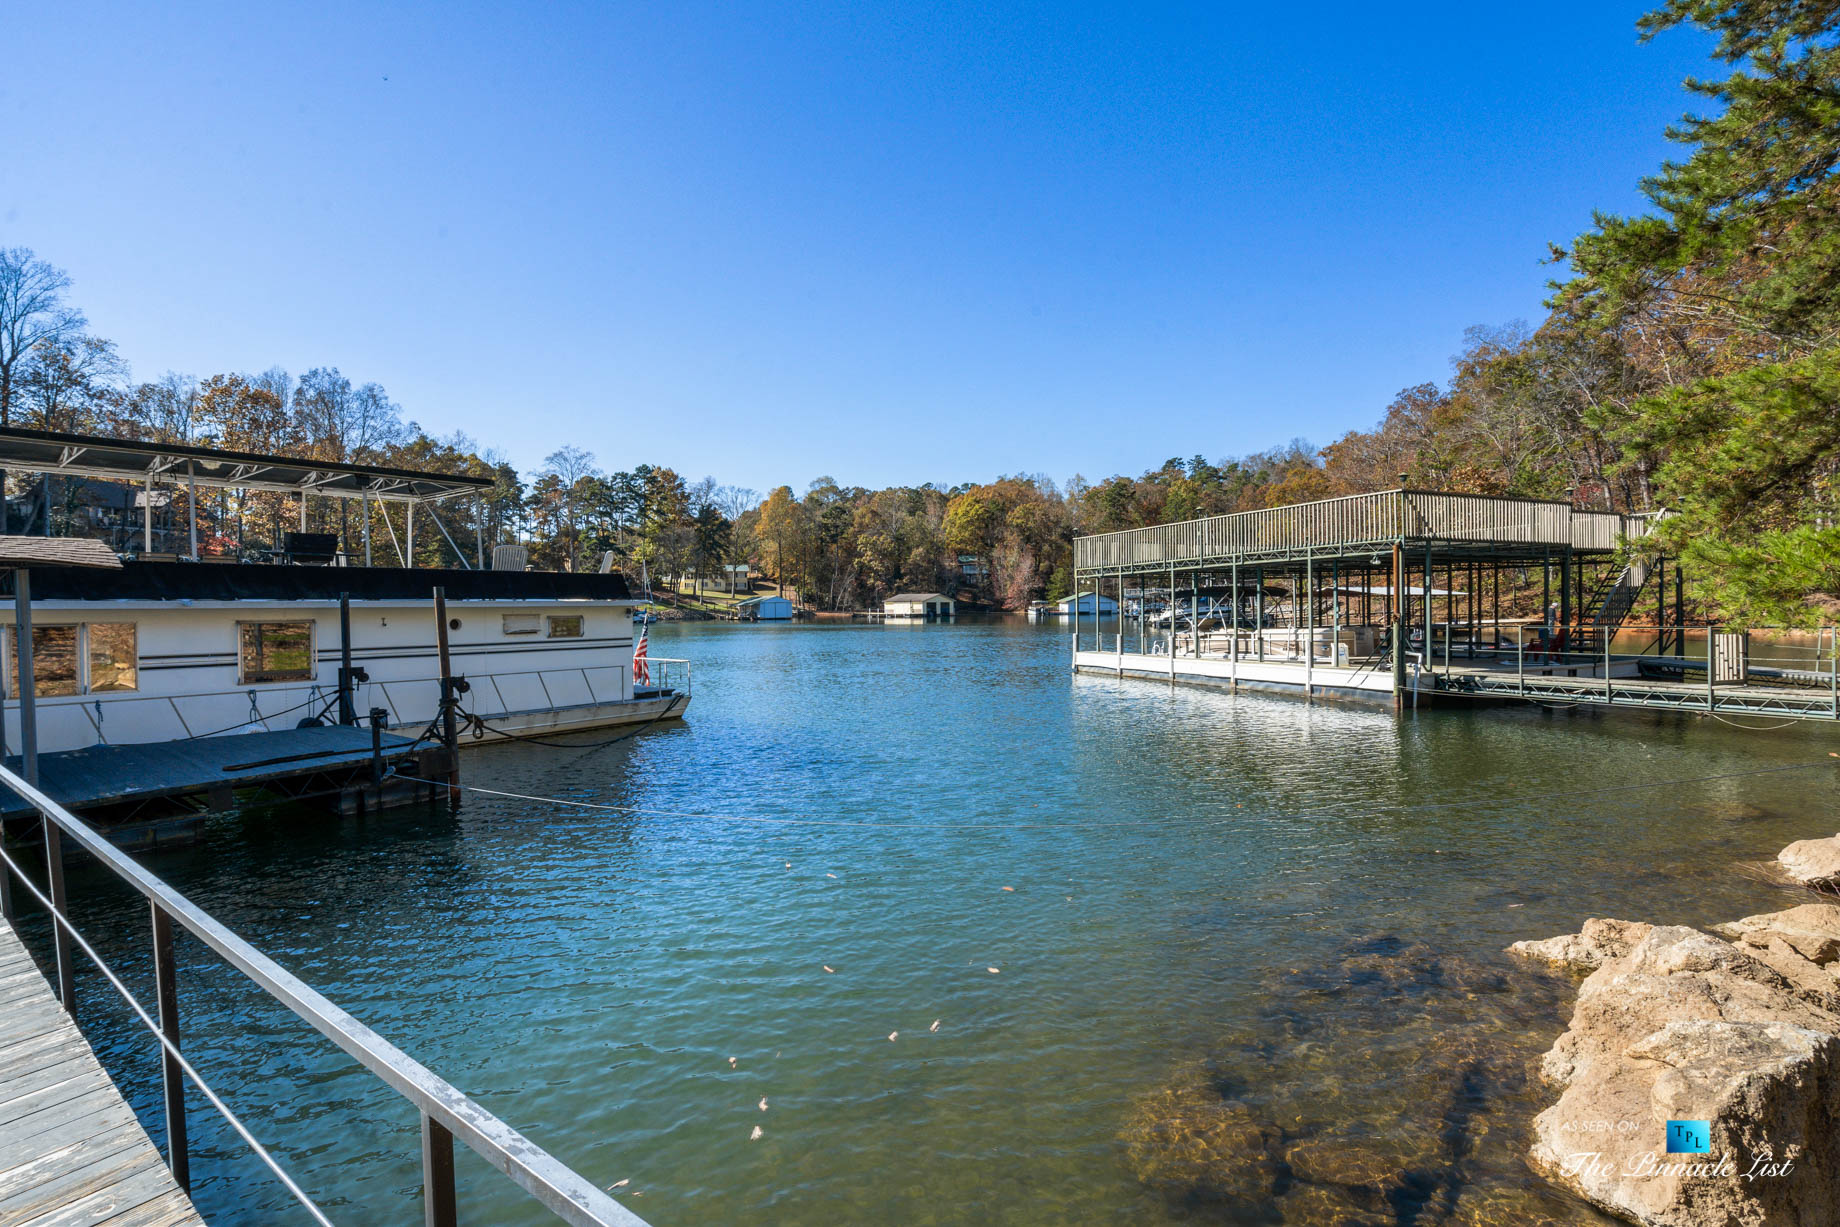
(1193, 957)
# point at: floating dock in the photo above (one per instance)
(160, 781)
(71, 1149)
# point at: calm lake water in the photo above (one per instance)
(1246, 950)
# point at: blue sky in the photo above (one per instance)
(888, 243)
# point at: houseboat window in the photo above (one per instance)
(275, 651)
(113, 657)
(523, 624)
(565, 626)
(54, 661)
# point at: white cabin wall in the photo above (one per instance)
(188, 666)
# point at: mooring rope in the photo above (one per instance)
(1096, 825)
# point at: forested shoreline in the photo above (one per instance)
(1690, 360)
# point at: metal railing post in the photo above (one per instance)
(437, 1175)
(1608, 696)
(172, 1083)
(1711, 698)
(1520, 662)
(60, 940)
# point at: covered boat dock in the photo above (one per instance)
(1413, 596)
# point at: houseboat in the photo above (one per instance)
(183, 642)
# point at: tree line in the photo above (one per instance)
(1689, 360)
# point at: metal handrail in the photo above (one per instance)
(1357, 521)
(446, 1112)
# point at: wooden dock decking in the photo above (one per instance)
(71, 1149)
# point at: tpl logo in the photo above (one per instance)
(1689, 1137)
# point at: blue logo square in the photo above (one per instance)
(1689, 1137)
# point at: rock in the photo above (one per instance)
(1809, 980)
(1769, 1090)
(1673, 973)
(1189, 1142)
(1813, 862)
(1813, 930)
(1586, 951)
(1686, 1026)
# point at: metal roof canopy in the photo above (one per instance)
(50, 451)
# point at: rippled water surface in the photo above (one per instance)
(1192, 956)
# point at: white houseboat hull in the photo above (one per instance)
(532, 666)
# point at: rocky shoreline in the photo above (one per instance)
(1734, 1033)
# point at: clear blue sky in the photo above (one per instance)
(889, 243)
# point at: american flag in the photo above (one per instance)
(642, 669)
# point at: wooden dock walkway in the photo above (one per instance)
(71, 1149)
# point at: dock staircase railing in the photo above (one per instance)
(446, 1112)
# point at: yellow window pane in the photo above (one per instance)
(113, 657)
(54, 661)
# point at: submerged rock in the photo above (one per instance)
(1813, 862)
(1188, 1141)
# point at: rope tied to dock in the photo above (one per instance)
(769, 820)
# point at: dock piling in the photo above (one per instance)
(172, 1082)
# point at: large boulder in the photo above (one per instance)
(1685, 1026)
(1811, 930)
(1598, 943)
(1813, 862)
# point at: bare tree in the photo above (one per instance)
(70, 384)
(571, 466)
(32, 313)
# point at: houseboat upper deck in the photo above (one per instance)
(173, 647)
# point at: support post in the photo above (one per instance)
(1172, 624)
(172, 1078)
(1233, 636)
(378, 716)
(1309, 628)
(147, 517)
(364, 506)
(191, 503)
(1680, 611)
(303, 509)
(1396, 609)
(1120, 621)
(24, 679)
(438, 1209)
(479, 532)
(451, 689)
(409, 539)
(348, 710)
(1430, 661)
(1565, 596)
(1258, 615)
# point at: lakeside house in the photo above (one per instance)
(919, 607)
(764, 609)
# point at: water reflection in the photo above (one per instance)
(1249, 968)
